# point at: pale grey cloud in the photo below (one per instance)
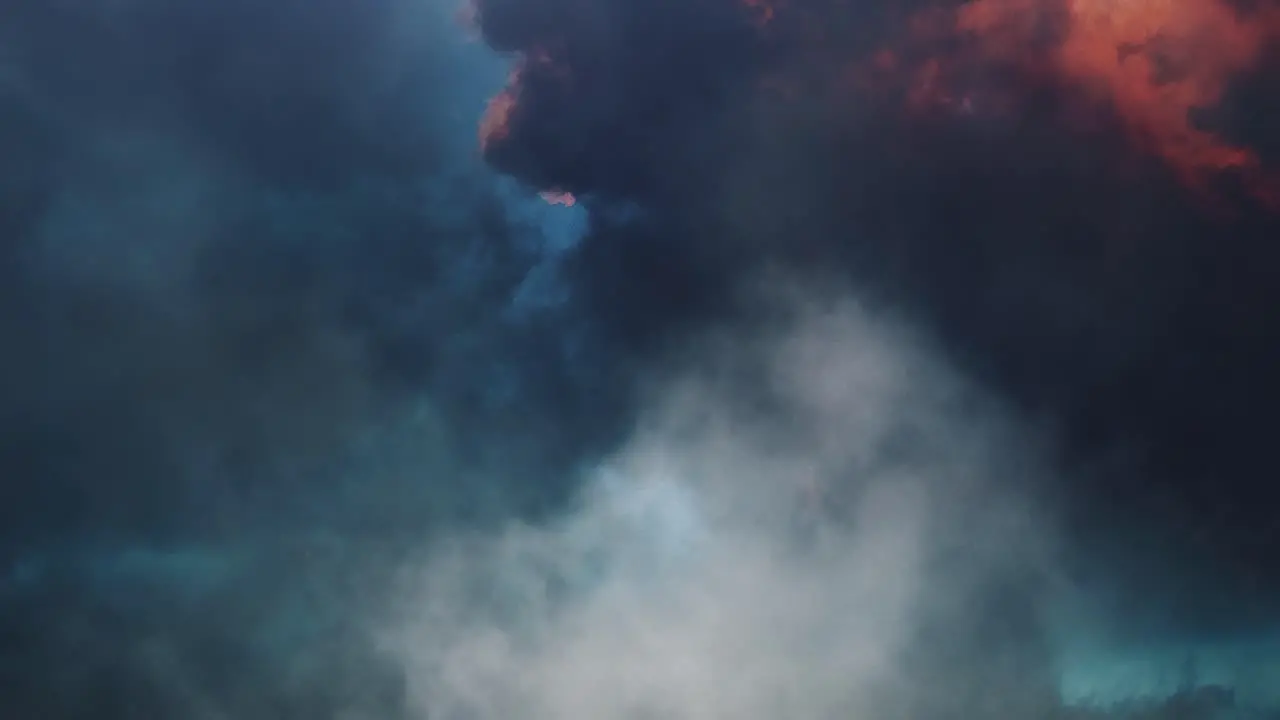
(734, 564)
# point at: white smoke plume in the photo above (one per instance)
(822, 521)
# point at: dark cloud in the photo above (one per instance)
(233, 246)
(1087, 221)
(244, 295)
(252, 314)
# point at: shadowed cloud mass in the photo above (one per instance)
(1077, 197)
(805, 357)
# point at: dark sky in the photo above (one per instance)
(238, 238)
(251, 267)
(1080, 199)
(258, 293)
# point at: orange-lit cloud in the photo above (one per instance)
(495, 125)
(1155, 61)
(1152, 62)
(557, 197)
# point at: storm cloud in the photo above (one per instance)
(957, 314)
(1078, 198)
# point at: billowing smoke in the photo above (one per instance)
(864, 538)
(1077, 198)
(286, 371)
(240, 253)
(263, 325)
